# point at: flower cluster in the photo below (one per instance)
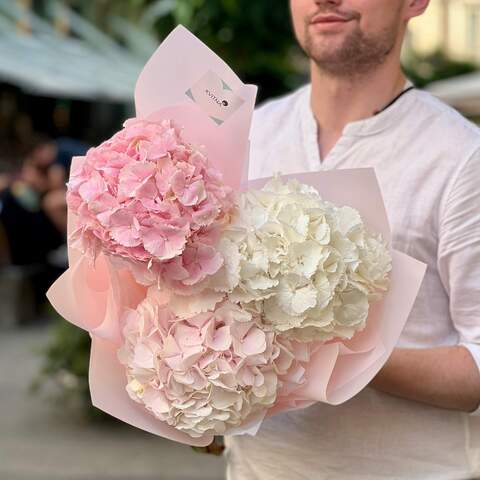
(148, 197)
(306, 267)
(208, 373)
(240, 289)
(295, 269)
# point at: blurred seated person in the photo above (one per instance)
(33, 218)
(35, 200)
(30, 231)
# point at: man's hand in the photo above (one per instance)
(445, 377)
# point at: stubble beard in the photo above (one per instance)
(356, 56)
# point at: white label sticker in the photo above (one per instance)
(215, 97)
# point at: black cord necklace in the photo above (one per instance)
(395, 99)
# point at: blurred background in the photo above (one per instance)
(67, 75)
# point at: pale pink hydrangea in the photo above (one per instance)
(209, 373)
(148, 197)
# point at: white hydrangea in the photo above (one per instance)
(307, 266)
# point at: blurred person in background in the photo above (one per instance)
(419, 419)
(30, 231)
(33, 201)
(33, 215)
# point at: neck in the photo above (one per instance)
(336, 101)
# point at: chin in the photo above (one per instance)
(322, 48)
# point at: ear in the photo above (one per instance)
(414, 8)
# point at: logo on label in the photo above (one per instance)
(223, 103)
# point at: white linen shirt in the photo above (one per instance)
(427, 160)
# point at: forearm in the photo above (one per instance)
(445, 377)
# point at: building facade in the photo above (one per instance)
(452, 26)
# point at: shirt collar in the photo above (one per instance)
(365, 126)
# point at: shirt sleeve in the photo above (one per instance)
(458, 257)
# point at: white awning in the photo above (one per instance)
(461, 92)
(89, 66)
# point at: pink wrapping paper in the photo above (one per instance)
(93, 295)
(341, 369)
(180, 61)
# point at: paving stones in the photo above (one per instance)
(40, 441)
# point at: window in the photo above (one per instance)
(473, 29)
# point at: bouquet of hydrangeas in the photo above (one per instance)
(212, 304)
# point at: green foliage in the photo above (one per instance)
(423, 70)
(64, 370)
(254, 37)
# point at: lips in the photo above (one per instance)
(328, 19)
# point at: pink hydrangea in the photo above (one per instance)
(206, 374)
(149, 197)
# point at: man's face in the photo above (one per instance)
(364, 36)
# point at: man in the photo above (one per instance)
(419, 418)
